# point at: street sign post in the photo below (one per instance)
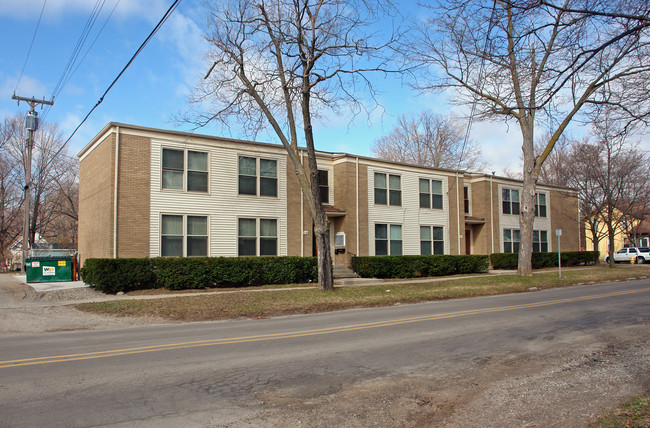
(558, 233)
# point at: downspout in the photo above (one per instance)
(491, 216)
(458, 212)
(117, 163)
(357, 192)
(580, 234)
(302, 215)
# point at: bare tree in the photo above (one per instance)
(276, 64)
(11, 196)
(539, 63)
(610, 175)
(429, 139)
(48, 168)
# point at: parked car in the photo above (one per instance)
(625, 255)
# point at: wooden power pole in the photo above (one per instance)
(31, 124)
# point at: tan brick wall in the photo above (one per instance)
(133, 205)
(294, 197)
(454, 222)
(482, 208)
(345, 198)
(564, 215)
(96, 192)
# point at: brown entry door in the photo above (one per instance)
(468, 241)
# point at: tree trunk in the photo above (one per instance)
(321, 226)
(527, 203)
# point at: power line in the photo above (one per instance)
(30, 46)
(77, 49)
(67, 79)
(101, 99)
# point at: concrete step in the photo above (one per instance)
(342, 271)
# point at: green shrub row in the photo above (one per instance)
(418, 266)
(543, 260)
(177, 273)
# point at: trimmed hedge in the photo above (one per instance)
(543, 260)
(418, 266)
(179, 273)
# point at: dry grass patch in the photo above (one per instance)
(248, 303)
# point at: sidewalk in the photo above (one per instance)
(50, 286)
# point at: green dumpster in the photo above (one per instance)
(48, 269)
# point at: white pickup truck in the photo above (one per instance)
(640, 255)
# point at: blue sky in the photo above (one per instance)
(158, 82)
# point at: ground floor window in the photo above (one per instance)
(257, 237)
(540, 241)
(432, 240)
(388, 239)
(183, 235)
(510, 240)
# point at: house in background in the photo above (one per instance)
(631, 230)
(16, 250)
(147, 192)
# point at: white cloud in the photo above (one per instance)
(28, 85)
(54, 9)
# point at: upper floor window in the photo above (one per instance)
(388, 189)
(540, 204)
(257, 237)
(250, 181)
(510, 201)
(388, 239)
(540, 241)
(430, 193)
(466, 198)
(324, 186)
(432, 240)
(175, 169)
(184, 235)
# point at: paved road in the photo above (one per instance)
(211, 373)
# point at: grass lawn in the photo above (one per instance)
(263, 302)
(633, 414)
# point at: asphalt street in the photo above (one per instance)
(211, 373)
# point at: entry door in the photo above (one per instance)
(468, 241)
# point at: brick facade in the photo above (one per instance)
(349, 210)
(96, 193)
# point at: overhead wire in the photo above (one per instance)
(99, 4)
(72, 73)
(30, 45)
(101, 99)
(480, 79)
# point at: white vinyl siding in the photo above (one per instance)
(408, 214)
(509, 221)
(222, 201)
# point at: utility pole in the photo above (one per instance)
(31, 124)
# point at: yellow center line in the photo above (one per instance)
(304, 333)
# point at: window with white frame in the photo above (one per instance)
(324, 186)
(388, 239)
(510, 240)
(388, 189)
(466, 199)
(430, 193)
(540, 241)
(185, 170)
(183, 235)
(540, 204)
(510, 201)
(258, 176)
(432, 240)
(257, 237)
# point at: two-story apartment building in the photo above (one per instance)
(147, 192)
